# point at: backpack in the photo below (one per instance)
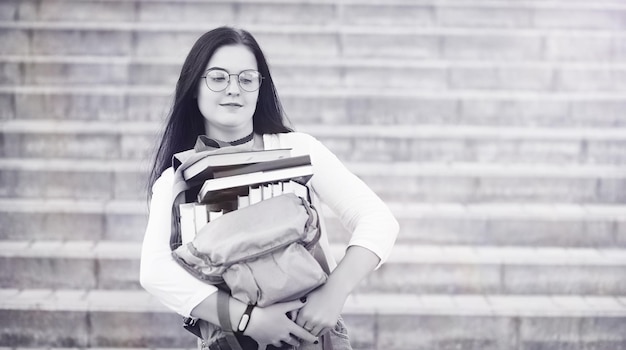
(263, 252)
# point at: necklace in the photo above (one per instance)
(242, 140)
(204, 142)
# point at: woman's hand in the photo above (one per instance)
(324, 304)
(271, 325)
(321, 310)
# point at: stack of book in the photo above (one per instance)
(237, 180)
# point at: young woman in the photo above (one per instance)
(225, 91)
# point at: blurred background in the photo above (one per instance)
(494, 129)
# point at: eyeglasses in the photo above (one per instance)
(218, 79)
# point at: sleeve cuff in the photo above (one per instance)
(382, 253)
(195, 300)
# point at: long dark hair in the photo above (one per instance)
(185, 122)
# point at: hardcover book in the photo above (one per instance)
(281, 163)
(206, 166)
(212, 187)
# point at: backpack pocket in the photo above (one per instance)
(283, 275)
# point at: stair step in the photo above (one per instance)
(342, 73)
(94, 319)
(47, 126)
(351, 143)
(495, 210)
(403, 253)
(324, 11)
(40, 178)
(502, 224)
(302, 28)
(353, 73)
(308, 62)
(138, 301)
(334, 91)
(327, 40)
(434, 269)
(412, 169)
(464, 182)
(148, 11)
(330, 106)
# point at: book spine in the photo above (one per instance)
(214, 215)
(300, 190)
(243, 201)
(287, 187)
(187, 222)
(202, 216)
(256, 194)
(296, 188)
(277, 189)
(267, 191)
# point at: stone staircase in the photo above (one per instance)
(495, 130)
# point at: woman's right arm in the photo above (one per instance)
(159, 273)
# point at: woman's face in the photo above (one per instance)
(231, 109)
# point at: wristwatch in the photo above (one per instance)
(245, 319)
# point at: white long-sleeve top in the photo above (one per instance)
(360, 210)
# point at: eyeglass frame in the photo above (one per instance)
(206, 82)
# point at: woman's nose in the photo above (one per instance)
(233, 87)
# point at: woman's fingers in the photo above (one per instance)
(292, 305)
(315, 328)
(275, 325)
(292, 341)
(289, 340)
(316, 331)
(302, 333)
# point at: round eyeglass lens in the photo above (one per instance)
(217, 80)
(250, 80)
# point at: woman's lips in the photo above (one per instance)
(232, 104)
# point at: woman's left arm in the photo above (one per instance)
(374, 231)
(325, 303)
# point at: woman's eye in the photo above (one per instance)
(218, 79)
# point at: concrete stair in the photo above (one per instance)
(495, 131)
(429, 189)
(408, 321)
(412, 269)
(356, 73)
(431, 182)
(342, 105)
(427, 143)
(501, 224)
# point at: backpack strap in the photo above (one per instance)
(321, 259)
(223, 315)
(317, 252)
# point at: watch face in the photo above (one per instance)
(243, 323)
